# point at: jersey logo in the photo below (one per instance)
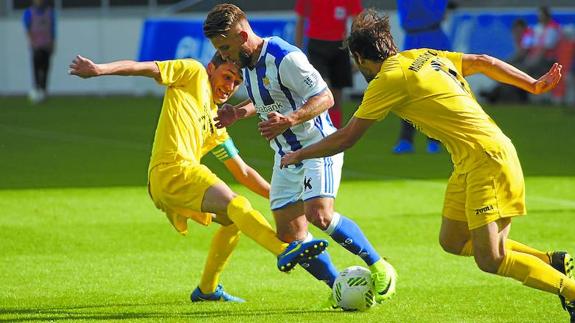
(340, 13)
(264, 109)
(307, 183)
(266, 82)
(311, 80)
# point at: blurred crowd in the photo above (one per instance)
(536, 49)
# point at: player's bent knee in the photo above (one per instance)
(488, 264)
(223, 220)
(320, 219)
(450, 246)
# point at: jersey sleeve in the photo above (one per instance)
(178, 72)
(379, 98)
(300, 76)
(455, 57)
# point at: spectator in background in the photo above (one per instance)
(546, 37)
(523, 41)
(326, 31)
(536, 49)
(421, 22)
(40, 24)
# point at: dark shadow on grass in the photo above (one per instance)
(52, 314)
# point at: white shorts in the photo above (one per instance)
(318, 177)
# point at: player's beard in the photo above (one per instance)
(245, 58)
(367, 74)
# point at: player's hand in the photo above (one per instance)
(290, 159)
(227, 115)
(548, 81)
(275, 125)
(83, 67)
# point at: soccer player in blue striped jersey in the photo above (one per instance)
(292, 99)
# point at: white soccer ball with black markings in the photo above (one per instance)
(354, 290)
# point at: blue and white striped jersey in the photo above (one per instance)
(283, 80)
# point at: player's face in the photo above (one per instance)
(367, 73)
(225, 80)
(233, 48)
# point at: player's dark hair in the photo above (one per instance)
(370, 36)
(221, 19)
(217, 60)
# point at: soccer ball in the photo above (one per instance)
(353, 289)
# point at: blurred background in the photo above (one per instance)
(107, 30)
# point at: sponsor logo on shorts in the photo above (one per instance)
(307, 183)
(484, 209)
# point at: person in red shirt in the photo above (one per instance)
(327, 28)
(546, 37)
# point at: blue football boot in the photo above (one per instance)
(433, 147)
(403, 147)
(219, 295)
(298, 251)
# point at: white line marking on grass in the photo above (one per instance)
(552, 200)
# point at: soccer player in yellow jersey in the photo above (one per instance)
(486, 190)
(184, 188)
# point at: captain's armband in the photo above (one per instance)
(225, 150)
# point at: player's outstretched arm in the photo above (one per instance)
(228, 114)
(85, 68)
(247, 176)
(337, 142)
(505, 73)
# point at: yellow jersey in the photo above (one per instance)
(426, 88)
(186, 129)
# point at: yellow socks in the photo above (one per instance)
(254, 225)
(467, 250)
(535, 273)
(223, 243)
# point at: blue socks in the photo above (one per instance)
(348, 234)
(321, 267)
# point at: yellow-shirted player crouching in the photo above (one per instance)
(486, 189)
(184, 188)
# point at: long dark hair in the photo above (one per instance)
(370, 36)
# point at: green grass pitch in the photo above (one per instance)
(81, 241)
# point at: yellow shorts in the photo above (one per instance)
(178, 189)
(494, 189)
